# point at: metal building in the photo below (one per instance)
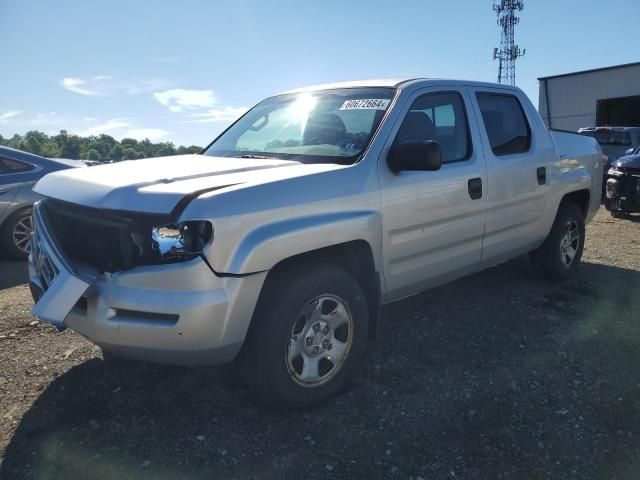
(592, 98)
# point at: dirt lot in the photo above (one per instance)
(495, 376)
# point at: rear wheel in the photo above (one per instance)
(559, 256)
(307, 336)
(15, 235)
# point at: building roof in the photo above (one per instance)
(613, 67)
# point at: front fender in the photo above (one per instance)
(262, 248)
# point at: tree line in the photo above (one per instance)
(102, 148)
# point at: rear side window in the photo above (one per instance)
(506, 124)
(441, 117)
(9, 165)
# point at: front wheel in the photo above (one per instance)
(308, 334)
(559, 256)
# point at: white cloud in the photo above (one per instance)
(105, 85)
(153, 134)
(108, 126)
(4, 117)
(218, 114)
(180, 99)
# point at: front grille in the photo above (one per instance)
(628, 189)
(108, 241)
(43, 265)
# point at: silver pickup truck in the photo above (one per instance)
(280, 242)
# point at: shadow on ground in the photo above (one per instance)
(494, 376)
(13, 273)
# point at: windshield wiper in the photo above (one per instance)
(259, 157)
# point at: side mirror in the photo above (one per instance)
(629, 151)
(417, 156)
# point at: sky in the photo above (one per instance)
(182, 71)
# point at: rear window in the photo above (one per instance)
(9, 165)
(506, 124)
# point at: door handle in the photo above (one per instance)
(542, 175)
(475, 188)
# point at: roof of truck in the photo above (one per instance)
(392, 82)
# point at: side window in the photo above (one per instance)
(9, 165)
(505, 122)
(441, 117)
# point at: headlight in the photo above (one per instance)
(615, 172)
(181, 241)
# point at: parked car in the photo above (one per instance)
(19, 171)
(282, 239)
(623, 185)
(614, 141)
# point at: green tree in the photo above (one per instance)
(146, 148)
(129, 142)
(165, 149)
(93, 155)
(70, 145)
(129, 154)
(33, 142)
(116, 152)
(50, 150)
(94, 147)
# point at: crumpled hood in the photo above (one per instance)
(160, 185)
(628, 161)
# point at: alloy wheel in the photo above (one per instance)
(569, 242)
(22, 234)
(320, 341)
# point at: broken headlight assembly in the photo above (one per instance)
(182, 241)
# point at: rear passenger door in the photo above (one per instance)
(518, 174)
(433, 221)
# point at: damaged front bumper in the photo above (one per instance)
(180, 313)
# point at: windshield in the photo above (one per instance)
(327, 126)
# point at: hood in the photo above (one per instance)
(165, 185)
(628, 161)
(614, 151)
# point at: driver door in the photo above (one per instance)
(433, 221)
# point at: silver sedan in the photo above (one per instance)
(19, 171)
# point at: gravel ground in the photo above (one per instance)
(498, 375)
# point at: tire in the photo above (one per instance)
(559, 256)
(19, 223)
(306, 318)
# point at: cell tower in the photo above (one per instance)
(508, 51)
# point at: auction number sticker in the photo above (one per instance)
(366, 104)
